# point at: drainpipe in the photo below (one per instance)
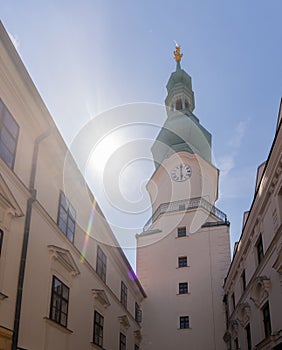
(30, 201)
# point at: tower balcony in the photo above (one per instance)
(185, 205)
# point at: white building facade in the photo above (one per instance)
(253, 286)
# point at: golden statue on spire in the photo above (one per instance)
(177, 54)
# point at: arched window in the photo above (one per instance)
(178, 104)
(186, 104)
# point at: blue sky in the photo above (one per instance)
(89, 56)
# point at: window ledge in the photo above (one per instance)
(95, 346)
(177, 237)
(183, 293)
(57, 325)
(183, 329)
(182, 267)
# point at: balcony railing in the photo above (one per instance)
(185, 205)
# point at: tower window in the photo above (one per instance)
(181, 231)
(186, 104)
(184, 322)
(183, 288)
(182, 261)
(178, 104)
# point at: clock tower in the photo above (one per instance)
(183, 252)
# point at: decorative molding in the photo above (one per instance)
(244, 314)
(101, 296)
(124, 321)
(138, 335)
(3, 296)
(227, 336)
(64, 257)
(9, 207)
(234, 328)
(260, 290)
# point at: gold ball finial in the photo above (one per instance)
(177, 54)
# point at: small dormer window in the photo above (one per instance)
(178, 104)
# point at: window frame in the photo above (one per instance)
(243, 279)
(233, 301)
(101, 264)
(123, 294)
(98, 329)
(138, 313)
(182, 263)
(1, 240)
(183, 288)
(248, 336)
(184, 321)
(57, 318)
(122, 341)
(259, 249)
(180, 233)
(14, 136)
(66, 209)
(266, 319)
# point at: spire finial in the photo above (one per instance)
(177, 54)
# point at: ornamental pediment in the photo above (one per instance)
(244, 314)
(64, 257)
(9, 207)
(101, 296)
(124, 321)
(260, 290)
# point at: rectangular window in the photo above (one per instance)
(123, 294)
(59, 302)
(182, 261)
(1, 240)
(136, 347)
(259, 246)
(181, 231)
(9, 132)
(101, 264)
(138, 313)
(248, 336)
(266, 319)
(243, 279)
(236, 344)
(184, 322)
(98, 329)
(122, 341)
(183, 288)
(233, 300)
(66, 217)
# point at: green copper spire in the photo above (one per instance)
(182, 130)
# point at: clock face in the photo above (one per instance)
(181, 172)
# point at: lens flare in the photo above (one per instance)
(88, 231)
